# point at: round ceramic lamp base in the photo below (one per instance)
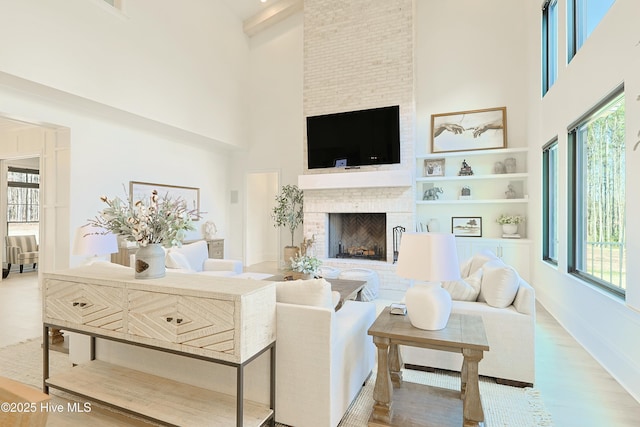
(428, 306)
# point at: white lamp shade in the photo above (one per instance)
(93, 241)
(428, 257)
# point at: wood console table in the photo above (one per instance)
(212, 319)
(430, 406)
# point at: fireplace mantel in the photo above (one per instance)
(367, 179)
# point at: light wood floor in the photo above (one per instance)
(575, 389)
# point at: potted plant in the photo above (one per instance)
(510, 223)
(307, 265)
(288, 213)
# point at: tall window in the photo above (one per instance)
(550, 202)
(23, 201)
(549, 44)
(597, 212)
(583, 17)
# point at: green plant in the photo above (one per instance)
(510, 219)
(305, 264)
(288, 209)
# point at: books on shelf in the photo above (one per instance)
(511, 236)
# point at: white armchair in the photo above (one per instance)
(194, 257)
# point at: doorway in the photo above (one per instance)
(261, 237)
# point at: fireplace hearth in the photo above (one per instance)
(358, 235)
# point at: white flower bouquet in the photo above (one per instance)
(147, 221)
(305, 264)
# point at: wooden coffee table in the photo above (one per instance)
(402, 404)
(348, 289)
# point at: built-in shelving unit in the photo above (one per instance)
(492, 190)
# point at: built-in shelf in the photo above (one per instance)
(473, 177)
(471, 201)
(355, 179)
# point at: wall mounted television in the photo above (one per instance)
(354, 138)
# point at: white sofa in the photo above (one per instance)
(506, 303)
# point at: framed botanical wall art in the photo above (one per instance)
(434, 167)
(469, 130)
(140, 190)
(466, 226)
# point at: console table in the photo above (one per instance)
(214, 319)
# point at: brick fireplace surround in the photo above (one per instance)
(359, 55)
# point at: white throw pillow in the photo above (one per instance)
(479, 259)
(500, 284)
(466, 289)
(196, 253)
(314, 292)
(177, 260)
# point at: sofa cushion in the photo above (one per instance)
(196, 253)
(177, 260)
(466, 289)
(499, 284)
(477, 261)
(313, 292)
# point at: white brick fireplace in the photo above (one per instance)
(359, 55)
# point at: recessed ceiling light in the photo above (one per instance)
(263, 1)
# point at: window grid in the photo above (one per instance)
(549, 44)
(550, 202)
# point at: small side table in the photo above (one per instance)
(415, 404)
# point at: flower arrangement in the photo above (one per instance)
(147, 221)
(305, 264)
(510, 219)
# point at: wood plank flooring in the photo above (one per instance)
(576, 390)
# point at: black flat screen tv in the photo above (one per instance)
(354, 138)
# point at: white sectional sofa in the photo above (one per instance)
(506, 303)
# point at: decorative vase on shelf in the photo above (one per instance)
(509, 228)
(150, 262)
(428, 306)
(433, 225)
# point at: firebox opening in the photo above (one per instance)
(358, 235)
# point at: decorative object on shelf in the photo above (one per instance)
(465, 193)
(307, 265)
(428, 257)
(288, 213)
(210, 230)
(397, 235)
(469, 130)
(510, 225)
(93, 243)
(152, 220)
(510, 193)
(434, 167)
(467, 226)
(432, 193)
(510, 165)
(150, 262)
(189, 195)
(433, 225)
(499, 168)
(465, 170)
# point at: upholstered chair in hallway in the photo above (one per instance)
(22, 250)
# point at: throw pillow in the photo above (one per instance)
(196, 253)
(314, 292)
(479, 259)
(177, 260)
(500, 284)
(466, 289)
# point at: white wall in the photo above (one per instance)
(183, 66)
(605, 325)
(275, 117)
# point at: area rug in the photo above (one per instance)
(504, 406)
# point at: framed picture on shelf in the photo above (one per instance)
(466, 226)
(191, 195)
(469, 130)
(434, 167)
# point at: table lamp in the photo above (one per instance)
(93, 242)
(432, 258)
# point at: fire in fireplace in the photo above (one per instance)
(358, 235)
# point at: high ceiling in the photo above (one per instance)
(245, 9)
